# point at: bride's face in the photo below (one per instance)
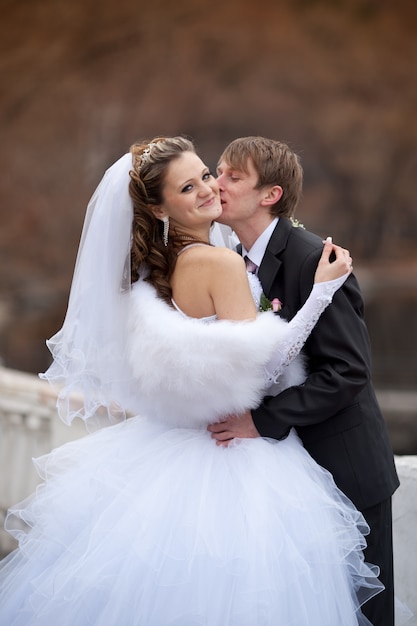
(191, 197)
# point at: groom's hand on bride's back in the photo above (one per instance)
(233, 427)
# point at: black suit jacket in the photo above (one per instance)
(335, 412)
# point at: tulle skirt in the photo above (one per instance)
(140, 524)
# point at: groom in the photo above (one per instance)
(335, 412)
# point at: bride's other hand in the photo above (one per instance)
(337, 267)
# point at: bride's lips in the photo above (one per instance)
(208, 203)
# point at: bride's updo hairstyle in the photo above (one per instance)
(150, 163)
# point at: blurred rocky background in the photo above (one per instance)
(336, 79)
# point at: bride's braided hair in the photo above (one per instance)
(150, 162)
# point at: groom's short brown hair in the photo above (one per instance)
(275, 164)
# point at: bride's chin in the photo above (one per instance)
(214, 216)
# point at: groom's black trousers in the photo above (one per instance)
(380, 609)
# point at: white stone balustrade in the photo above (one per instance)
(29, 427)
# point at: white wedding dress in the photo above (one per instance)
(149, 523)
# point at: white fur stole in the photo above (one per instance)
(192, 373)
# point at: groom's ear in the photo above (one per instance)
(271, 195)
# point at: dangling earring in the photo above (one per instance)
(165, 220)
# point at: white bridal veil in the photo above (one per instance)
(89, 352)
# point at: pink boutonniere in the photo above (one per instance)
(274, 305)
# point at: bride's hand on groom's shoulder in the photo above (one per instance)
(334, 262)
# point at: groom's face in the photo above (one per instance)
(238, 194)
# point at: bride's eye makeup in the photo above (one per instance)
(205, 177)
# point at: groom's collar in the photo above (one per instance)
(257, 250)
(279, 237)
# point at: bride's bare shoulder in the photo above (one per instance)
(213, 256)
(208, 269)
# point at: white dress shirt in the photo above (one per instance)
(257, 251)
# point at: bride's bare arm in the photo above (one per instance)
(229, 287)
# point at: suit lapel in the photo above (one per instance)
(271, 262)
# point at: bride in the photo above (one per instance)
(147, 522)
